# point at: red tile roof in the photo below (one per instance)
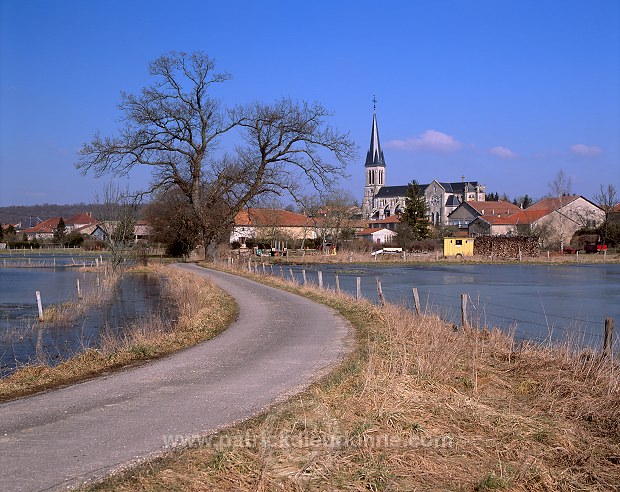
(616, 208)
(48, 226)
(265, 217)
(554, 203)
(494, 208)
(521, 217)
(392, 219)
(45, 227)
(83, 218)
(369, 231)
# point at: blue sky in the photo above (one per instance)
(503, 92)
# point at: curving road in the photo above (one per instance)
(278, 345)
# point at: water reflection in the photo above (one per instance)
(24, 340)
(540, 301)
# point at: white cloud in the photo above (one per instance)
(503, 152)
(582, 149)
(430, 140)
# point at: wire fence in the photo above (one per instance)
(527, 323)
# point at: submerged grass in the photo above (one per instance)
(203, 310)
(417, 406)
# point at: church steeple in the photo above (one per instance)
(374, 167)
(374, 157)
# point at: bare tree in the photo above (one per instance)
(335, 216)
(174, 126)
(118, 213)
(309, 205)
(607, 199)
(560, 188)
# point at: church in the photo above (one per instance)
(381, 201)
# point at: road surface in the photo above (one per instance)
(279, 344)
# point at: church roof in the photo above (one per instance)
(374, 157)
(452, 201)
(459, 187)
(393, 191)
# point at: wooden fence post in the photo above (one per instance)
(358, 290)
(464, 311)
(609, 337)
(416, 301)
(337, 284)
(320, 274)
(303, 274)
(79, 292)
(380, 292)
(39, 305)
(292, 276)
(281, 272)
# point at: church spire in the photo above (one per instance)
(374, 157)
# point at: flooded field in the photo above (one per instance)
(24, 340)
(540, 302)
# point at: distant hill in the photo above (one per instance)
(32, 214)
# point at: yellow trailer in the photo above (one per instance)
(455, 246)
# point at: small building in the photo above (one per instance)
(455, 246)
(377, 236)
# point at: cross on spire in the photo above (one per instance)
(374, 102)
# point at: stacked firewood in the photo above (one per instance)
(506, 247)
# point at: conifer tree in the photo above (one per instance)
(415, 211)
(60, 231)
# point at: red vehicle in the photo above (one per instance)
(595, 248)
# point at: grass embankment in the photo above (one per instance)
(417, 406)
(203, 310)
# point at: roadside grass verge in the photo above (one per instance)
(416, 406)
(202, 311)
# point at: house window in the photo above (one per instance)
(459, 242)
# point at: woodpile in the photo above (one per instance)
(506, 247)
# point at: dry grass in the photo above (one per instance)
(418, 406)
(203, 311)
(92, 295)
(437, 257)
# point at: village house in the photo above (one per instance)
(376, 235)
(380, 231)
(554, 220)
(271, 225)
(466, 212)
(45, 230)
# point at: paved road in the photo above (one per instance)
(279, 344)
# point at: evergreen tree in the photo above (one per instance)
(415, 211)
(60, 232)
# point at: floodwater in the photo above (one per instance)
(23, 339)
(540, 302)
